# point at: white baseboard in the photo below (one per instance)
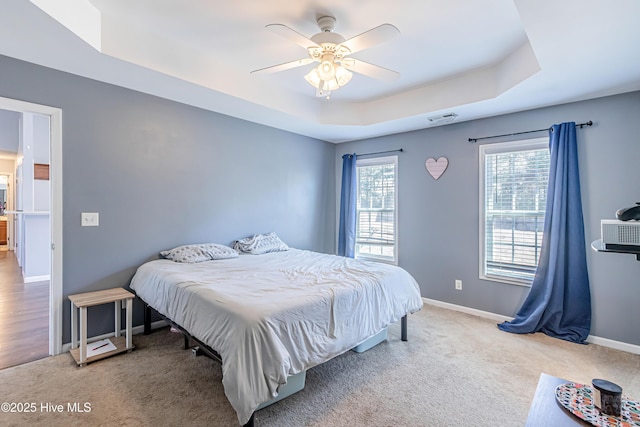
(468, 310)
(605, 342)
(135, 330)
(32, 279)
(616, 345)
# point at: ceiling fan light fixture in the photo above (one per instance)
(327, 68)
(331, 85)
(341, 77)
(313, 78)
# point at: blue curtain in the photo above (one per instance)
(559, 302)
(348, 194)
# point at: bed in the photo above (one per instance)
(272, 316)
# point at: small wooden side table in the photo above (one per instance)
(88, 299)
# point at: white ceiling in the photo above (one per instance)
(473, 58)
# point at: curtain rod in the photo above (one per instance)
(581, 125)
(380, 152)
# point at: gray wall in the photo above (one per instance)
(438, 220)
(162, 174)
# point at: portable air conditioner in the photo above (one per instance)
(620, 235)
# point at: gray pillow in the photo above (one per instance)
(261, 244)
(199, 253)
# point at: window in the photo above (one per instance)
(513, 197)
(376, 230)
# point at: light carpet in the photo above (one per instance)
(455, 370)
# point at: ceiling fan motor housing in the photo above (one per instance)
(326, 23)
(327, 38)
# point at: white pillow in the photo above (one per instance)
(199, 253)
(261, 244)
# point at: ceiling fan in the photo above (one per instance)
(332, 51)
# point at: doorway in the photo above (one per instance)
(5, 204)
(53, 307)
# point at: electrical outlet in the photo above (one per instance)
(458, 285)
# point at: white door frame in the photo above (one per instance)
(55, 215)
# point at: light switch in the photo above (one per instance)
(89, 219)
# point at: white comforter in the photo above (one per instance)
(275, 315)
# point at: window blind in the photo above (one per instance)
(514, 204)
(376, 210)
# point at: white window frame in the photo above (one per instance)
(372, 162)
(484, 150)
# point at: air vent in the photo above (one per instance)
(444, 118)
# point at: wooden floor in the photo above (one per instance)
(24, 315)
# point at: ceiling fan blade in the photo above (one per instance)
(374, 36)
(292, 35)
(285, 66)
(369, 70)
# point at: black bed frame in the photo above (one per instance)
(203, 348)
